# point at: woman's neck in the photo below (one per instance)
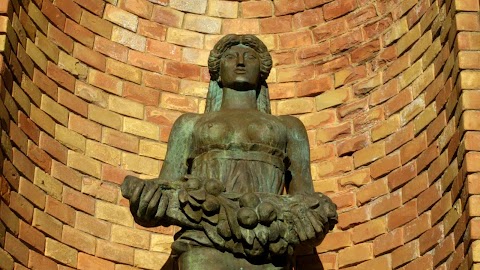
(239, 100)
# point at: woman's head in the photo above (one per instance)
(231, 40)
(214, 96)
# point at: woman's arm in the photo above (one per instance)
(179, 148)
(298, 152)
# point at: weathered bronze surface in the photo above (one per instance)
(236, 179)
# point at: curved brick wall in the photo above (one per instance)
(389, 91)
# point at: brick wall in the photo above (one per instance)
(389, 91)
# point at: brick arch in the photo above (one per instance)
(387, 89)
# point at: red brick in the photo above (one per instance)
(161, 116)
(120, 140)
(58, 37)
(437, 167)
(110, 48)
(70, 8)
(72, 102)
(79, 33)
(152, 29)
(333, 65)
(60, 211)
(18, 137)
(85, 127)
(294, 39)
(23, 164)
(32, 192)
(314, 3)
(441, 208)
(309, 53)
(351, 145)
(142, 8)
(161, 82)
(274, 25)
(62, 77)
(308, 18)
(431, 238)
(182, 70)
(256, 9)
(67, 175)
(40, 262)
(345, 42)
(77, 200)
(164, 49)
(142, 94)
(32, 236)
(79, 240)
(16, 248)
(95, 6)
(365, 52)
(356, 254)
(388, 242)
(113, 174)
(167, 16)
(106, 82)
(145, 61)
(21, 206)
(338, 8)
(89, 57)
(54, 14)
(39, 157)
(45, 84)
(344, 200)
(427, 156)
(283, 7)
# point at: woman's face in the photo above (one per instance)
(240, 68)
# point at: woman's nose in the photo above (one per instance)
(240, 60)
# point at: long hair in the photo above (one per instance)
(215, 93)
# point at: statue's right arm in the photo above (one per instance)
(175, 165)
(146, 201)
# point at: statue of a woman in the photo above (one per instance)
(226, 170)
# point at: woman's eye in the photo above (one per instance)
(229, 56)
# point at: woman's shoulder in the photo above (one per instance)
(291, 122)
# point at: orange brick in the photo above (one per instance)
(346, 41)
(32, 192)
(274, 25)
(401, 176)
(402, 215)
(32, 236)
(296, 74)
(355, 254)
(335, 241)
(71, 9)
(61, 77)
(161, 82)
(145, 61)
(294, 40)
(431, 238)
(329, 29)
(405, 253)
(38, 261)
(386, 204)
(415, 187)
(16, 248)
(60, 38)
(90, 57)
(151, 29)
(182, 70)
(256, 9)
(54, 14)
(21, 206)
(399, 138)
(89, 262)
(338, 8)
(85, 127)
(39, 157)
(79, 33)
(352, 217)
(423, 262)
(388, 242)
(107, 82)
(308, 18)
(141, 8)
(369, 230)
(167, 16)
(333, 65)
(112, 49)
(283, 7)
(45, 84)
(385, 165)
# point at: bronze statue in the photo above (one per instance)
(226, 171)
